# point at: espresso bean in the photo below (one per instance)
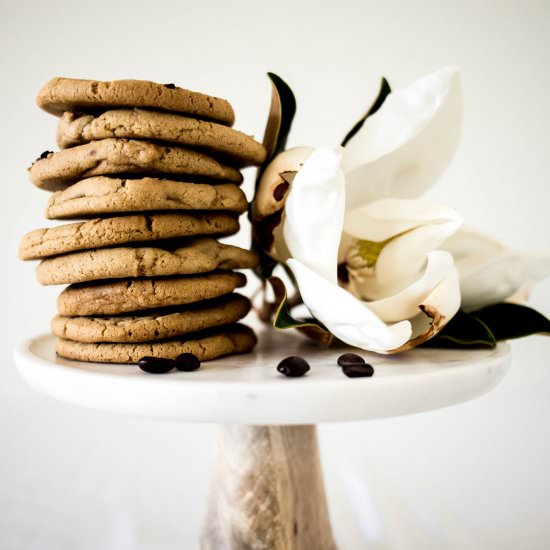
(187, 362)
(293, 366)
(349, 359)
(156, 365)
(358, 371)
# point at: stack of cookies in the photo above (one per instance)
(151, 171)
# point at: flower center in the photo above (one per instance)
(370, 250)
(360, 264)
(362, 256)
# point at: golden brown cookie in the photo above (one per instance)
(103, 232)
(76, 129)
(131, 295)
(74, 94)
(55, 171)
(199, 255)
(102, 195)
(153, 325)
(231, 339)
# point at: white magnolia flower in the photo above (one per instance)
(355, 207)
(355, 212)
(398, 282)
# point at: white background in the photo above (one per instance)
(471, 476)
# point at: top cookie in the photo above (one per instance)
(73, 94)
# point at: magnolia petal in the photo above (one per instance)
(267, 209)
(437, 309)
(490, 272)
(405, 304)
(415, 227)
(273, 186)
(404, 148)
(471, 249)
(314, 213)
(383, 219)
(279, 250)
(502, 278)
(403, 258)
(348, 318)
(521, 296)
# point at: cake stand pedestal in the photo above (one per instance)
(267, 490)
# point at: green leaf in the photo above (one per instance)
(385, 90)
(463, 331)
(512, 320)
(488, 325)
(281, 115)
(284, 319)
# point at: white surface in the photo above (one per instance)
(247, 389)
(473, 476)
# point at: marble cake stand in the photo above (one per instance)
(267, 490)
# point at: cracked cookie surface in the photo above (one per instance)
(131, 295)
(75, 94)
(104, 195)
(153, 325)
(103, 232)
(200, 255)
(55, 171)
(75, 129)
(231, 339)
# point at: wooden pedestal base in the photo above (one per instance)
(267, 492)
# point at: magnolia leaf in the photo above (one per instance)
(384, 91)
(463, 331)
(281, 114)
(279, 121)
(266, 264)
(512, 320)
(284, 320)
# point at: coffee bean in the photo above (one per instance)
(293, 366)
(358, 371)
(156, 365)
(187, 362)
(349, 359)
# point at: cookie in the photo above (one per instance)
(156, 325)
(197, 256)
(231, 339)
(76, 129)
(102, 195)
(131, 295)
(55, 171)
(103, 232)
(72, 94)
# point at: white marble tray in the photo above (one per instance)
(247, 389)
